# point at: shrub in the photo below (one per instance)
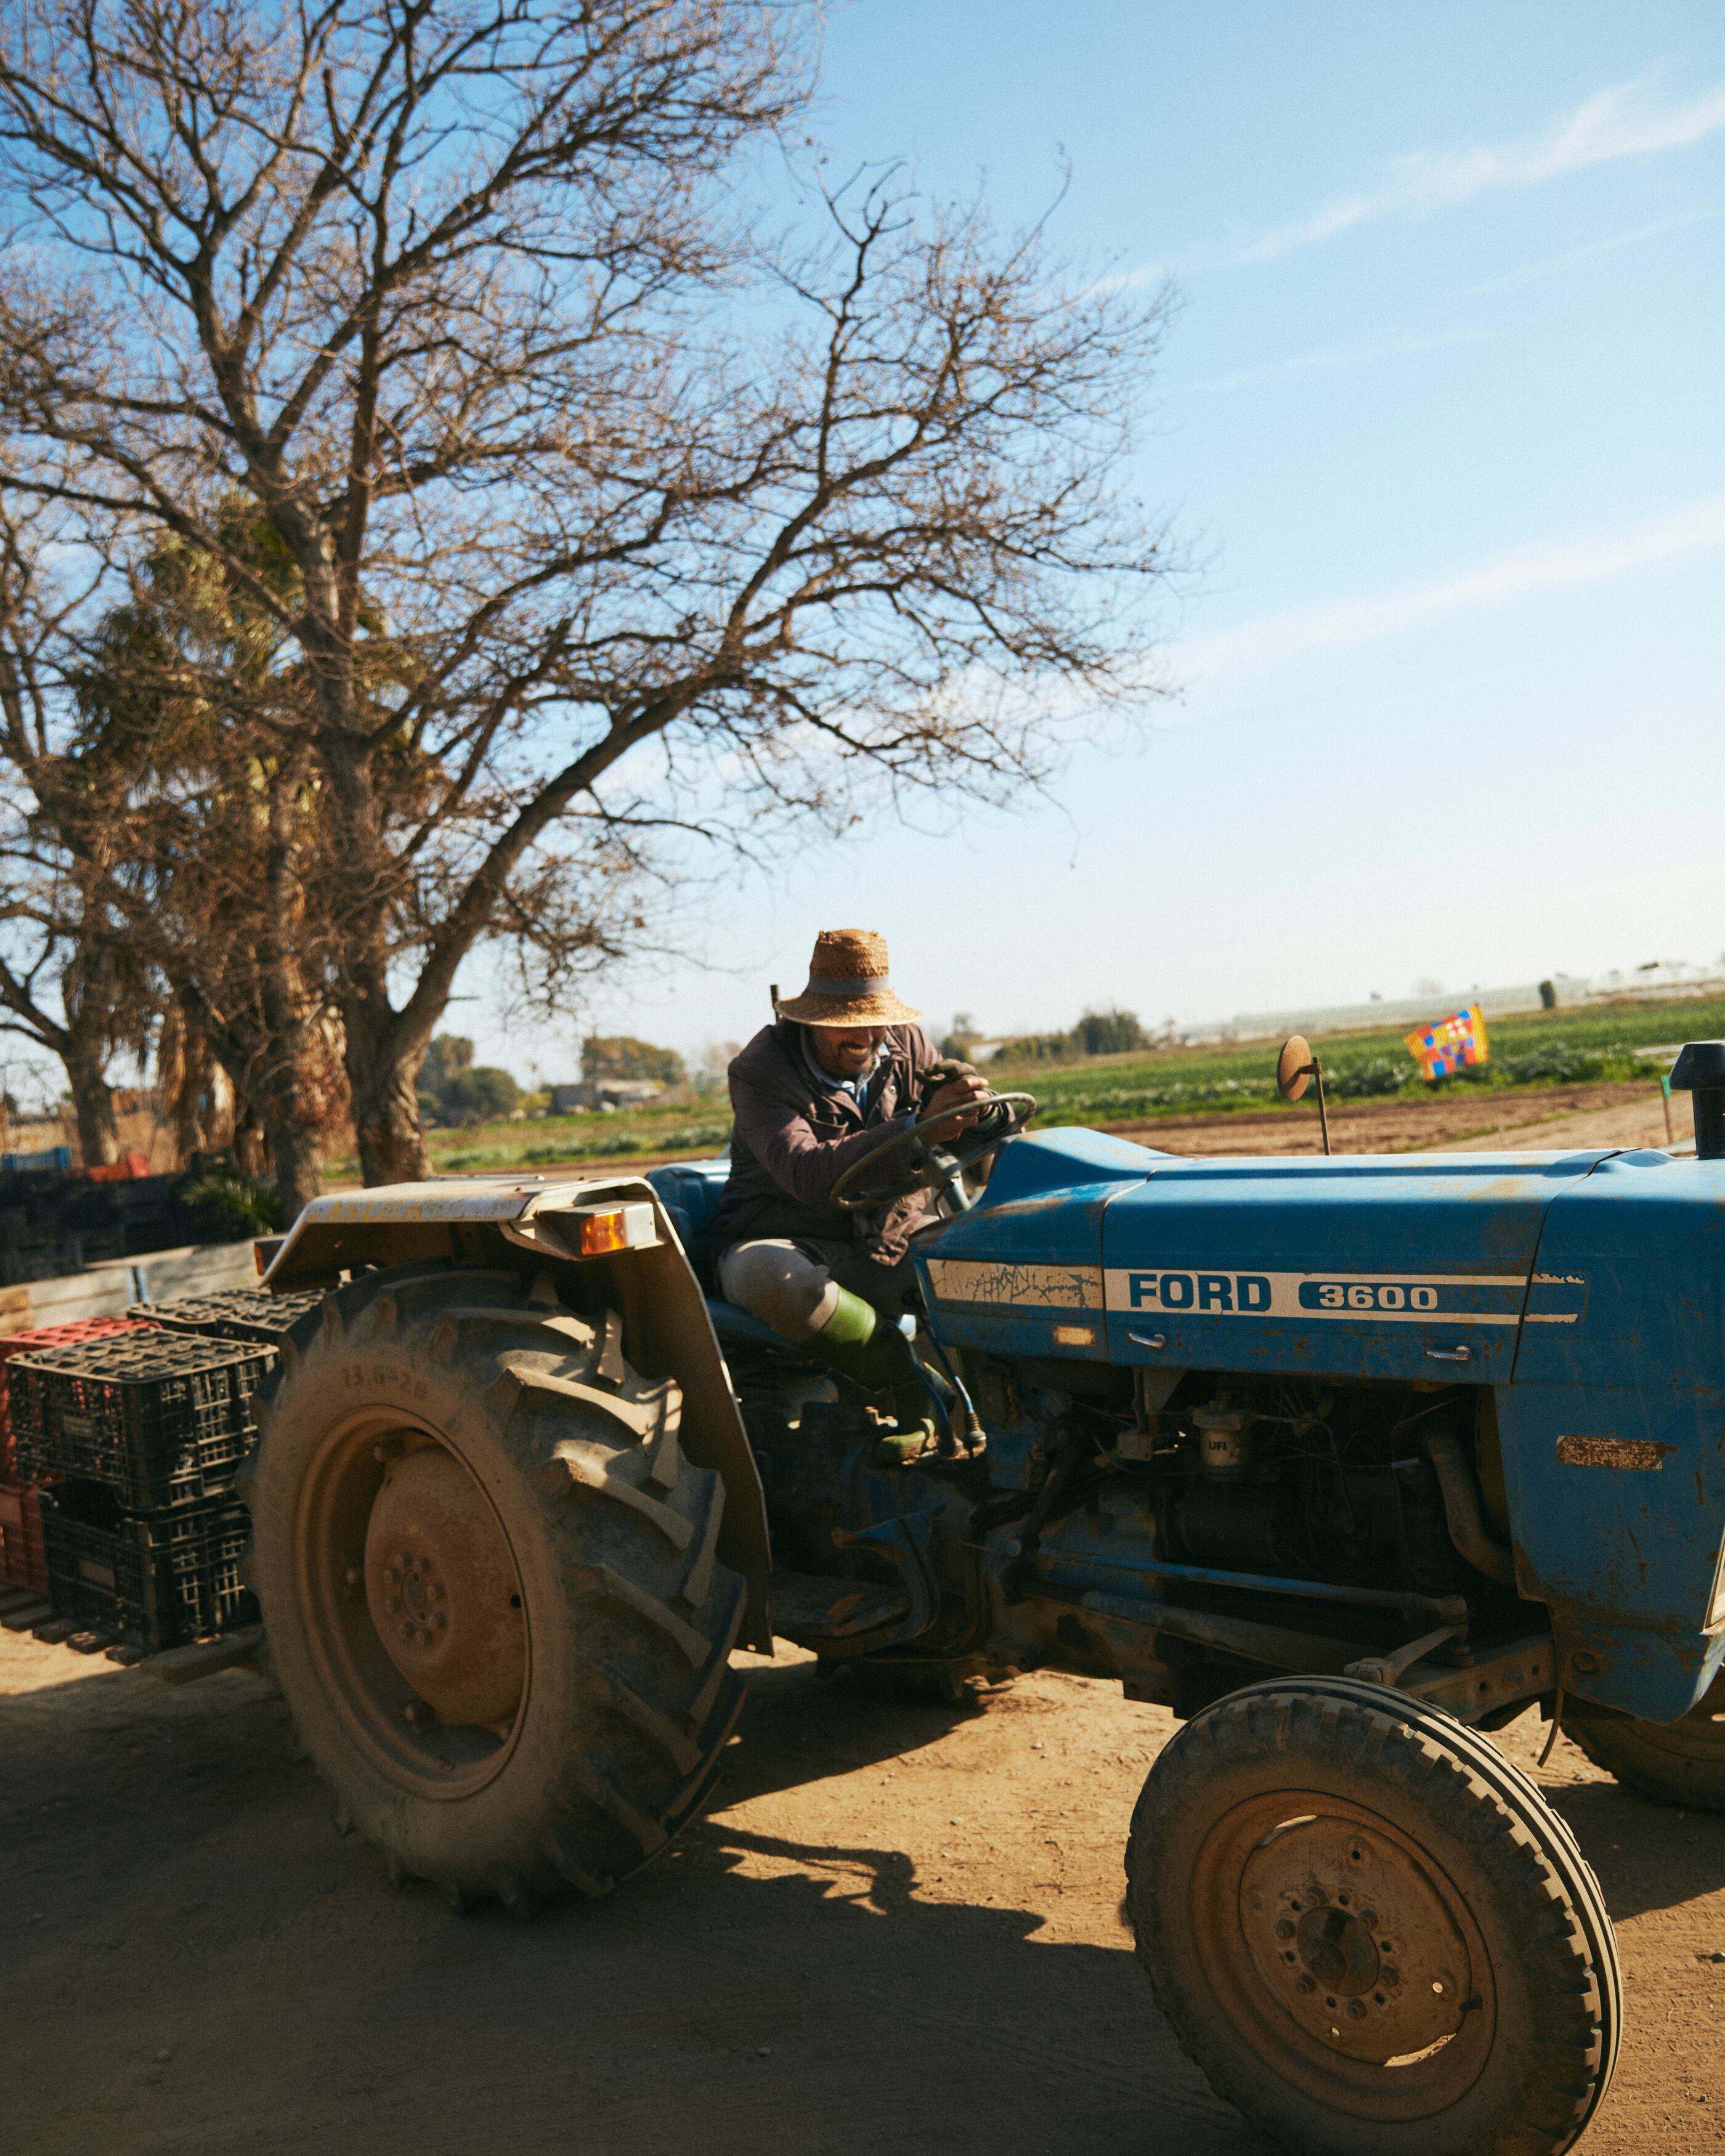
(621, 1056)
(478, 1095)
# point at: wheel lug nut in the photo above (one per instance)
(1356, 2010)
(1305, 1984)
(1368, 1917)
(391, 1577)
(406, 1630)
(1390, 1975)
(1285, 1929)
(440, 1618)
(392, 1603)
(434, 1589)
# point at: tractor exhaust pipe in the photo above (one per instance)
(1700, 1071)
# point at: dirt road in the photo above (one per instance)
(898, 1932)
(1537, 1118)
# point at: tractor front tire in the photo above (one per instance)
(1675, 1762)
(489, 1579)
(1369, 1931)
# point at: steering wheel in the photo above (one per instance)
(930, 1166)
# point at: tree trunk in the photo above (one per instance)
(250, 1141)
(299, 1167)
(383, 1075)
(93, 1103)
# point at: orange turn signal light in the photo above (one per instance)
(604, 1232)
(602, 1229)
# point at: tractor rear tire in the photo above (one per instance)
(489, 1579)
(1675, 1762)
(1369, 1931)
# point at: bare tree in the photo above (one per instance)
(187, 737)
(57, 992)
(604, 518)
(71, 982)
(160, 872)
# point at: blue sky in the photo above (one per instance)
(1440, 414)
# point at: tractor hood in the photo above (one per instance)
(1371, 1266)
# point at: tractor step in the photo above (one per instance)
(809, 1606)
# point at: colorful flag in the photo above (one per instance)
(1450, 1045)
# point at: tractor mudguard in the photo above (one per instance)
(666, 1329)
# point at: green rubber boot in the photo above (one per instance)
(856, 1342)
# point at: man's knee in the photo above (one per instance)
(780, 1285)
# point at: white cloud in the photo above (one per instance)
(1554, 265)
(1627, 120)
(1332, 358)
(1263, 647)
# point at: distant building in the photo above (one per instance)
(603, 1093)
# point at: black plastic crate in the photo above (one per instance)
(155, 1581)
(233, 1313)
(162, 1418)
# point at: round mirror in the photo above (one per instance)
(1293, 1068)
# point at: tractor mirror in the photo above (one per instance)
(1293, 1068)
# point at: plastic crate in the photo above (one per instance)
(162, 1418)
(156, 1580)
(234, 1313)
(23, 1561)
(48, 1336)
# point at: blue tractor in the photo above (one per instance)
(1348, 1462)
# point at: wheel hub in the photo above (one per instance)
(1353, 1936)
(442, 1590)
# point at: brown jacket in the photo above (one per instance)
(794, 1136)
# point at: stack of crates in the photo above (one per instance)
(234, 1313)
(23, 1559)
(142, 1532)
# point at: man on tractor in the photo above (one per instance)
(844, 1069)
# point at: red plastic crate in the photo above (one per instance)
(129, 1167)
(23, 1560)
(49, 1336)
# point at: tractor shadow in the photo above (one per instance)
(800, 1728)
(1645, 1855)
(195, 1961)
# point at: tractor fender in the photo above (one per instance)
(666, 1330)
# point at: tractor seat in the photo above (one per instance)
(690, 1192)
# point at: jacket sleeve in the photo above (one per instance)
(780, 1137)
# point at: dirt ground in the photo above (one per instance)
(897, 1930)
(1536, 1119)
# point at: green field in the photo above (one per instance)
(1546, 1048)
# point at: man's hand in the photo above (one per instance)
(957, 1093)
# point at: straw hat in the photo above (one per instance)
(849, 983)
